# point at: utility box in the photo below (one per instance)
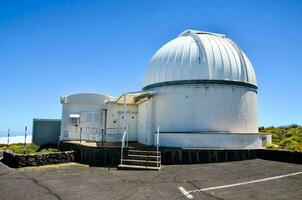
(46, 131)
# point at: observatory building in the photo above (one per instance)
(200, 89)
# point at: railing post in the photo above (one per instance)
(125, 112)
(123, 144)
(102, 137)
(157, 146)
(122, 149)
(25, 134)
(81, 135)
(8, 132)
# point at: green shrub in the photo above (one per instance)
(285, 138)
(29, 148)
(19, 148)
(48, 150)
(272, 146)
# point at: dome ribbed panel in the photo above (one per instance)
(211, 58)
(195, 68)
(252, 74)
(185, 59)
(233, 61)
(226, 59)
(218, 67)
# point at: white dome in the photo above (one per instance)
(199, 56)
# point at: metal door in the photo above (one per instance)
(132, 124)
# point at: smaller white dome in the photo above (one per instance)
(198, 55)
(86, 98)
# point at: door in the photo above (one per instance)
(142, 123)
(145, 123)
(132, 124)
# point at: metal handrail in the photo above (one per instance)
(123, 144)
(81, 133)
(157, 146)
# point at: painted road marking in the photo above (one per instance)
(185, 192)
(189, 196)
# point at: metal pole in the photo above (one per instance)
(25, 138)
(8, 131)
(81, 135)
(124, 113)
(122, 150)
(25, 135)
(102, 137)
(125, 117)
(157, 138)
(157, 144)
(105, 124)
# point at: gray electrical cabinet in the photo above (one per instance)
(46, 131)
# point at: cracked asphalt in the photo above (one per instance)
(76, 182)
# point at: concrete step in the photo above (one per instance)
(141, 152)
(137, 167)
(145, 157)
(142, 157)
(145, 148)
(141, 162)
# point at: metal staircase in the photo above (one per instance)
(138, 156)
(141, 158)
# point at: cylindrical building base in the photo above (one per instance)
(214, 140)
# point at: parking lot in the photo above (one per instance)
(250, 179)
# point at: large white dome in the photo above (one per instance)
(199, 56)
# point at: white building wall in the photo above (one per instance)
(212, 116)
(217, 108)
(81, 104)
(115, 122)
(68, 109)
(218, 116)
(215, 140)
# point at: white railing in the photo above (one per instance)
(91, 133)
(84, 133)
(157, 146)
(123, 144)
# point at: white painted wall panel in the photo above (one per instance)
(79, 104)
(206, 108)
(211, 140)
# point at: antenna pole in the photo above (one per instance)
(8, 132)
(25, 138)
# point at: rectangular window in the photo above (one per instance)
(264, 142)
(96, 118)
(74, 121)
(89, 117)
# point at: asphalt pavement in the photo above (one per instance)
(229, 180)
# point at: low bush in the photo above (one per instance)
(272, 146)
(28, 148)
(20, 148)
(286, 137)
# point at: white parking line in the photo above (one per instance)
(189, 196)
(185, 192)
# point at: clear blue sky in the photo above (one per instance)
(53, 48)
